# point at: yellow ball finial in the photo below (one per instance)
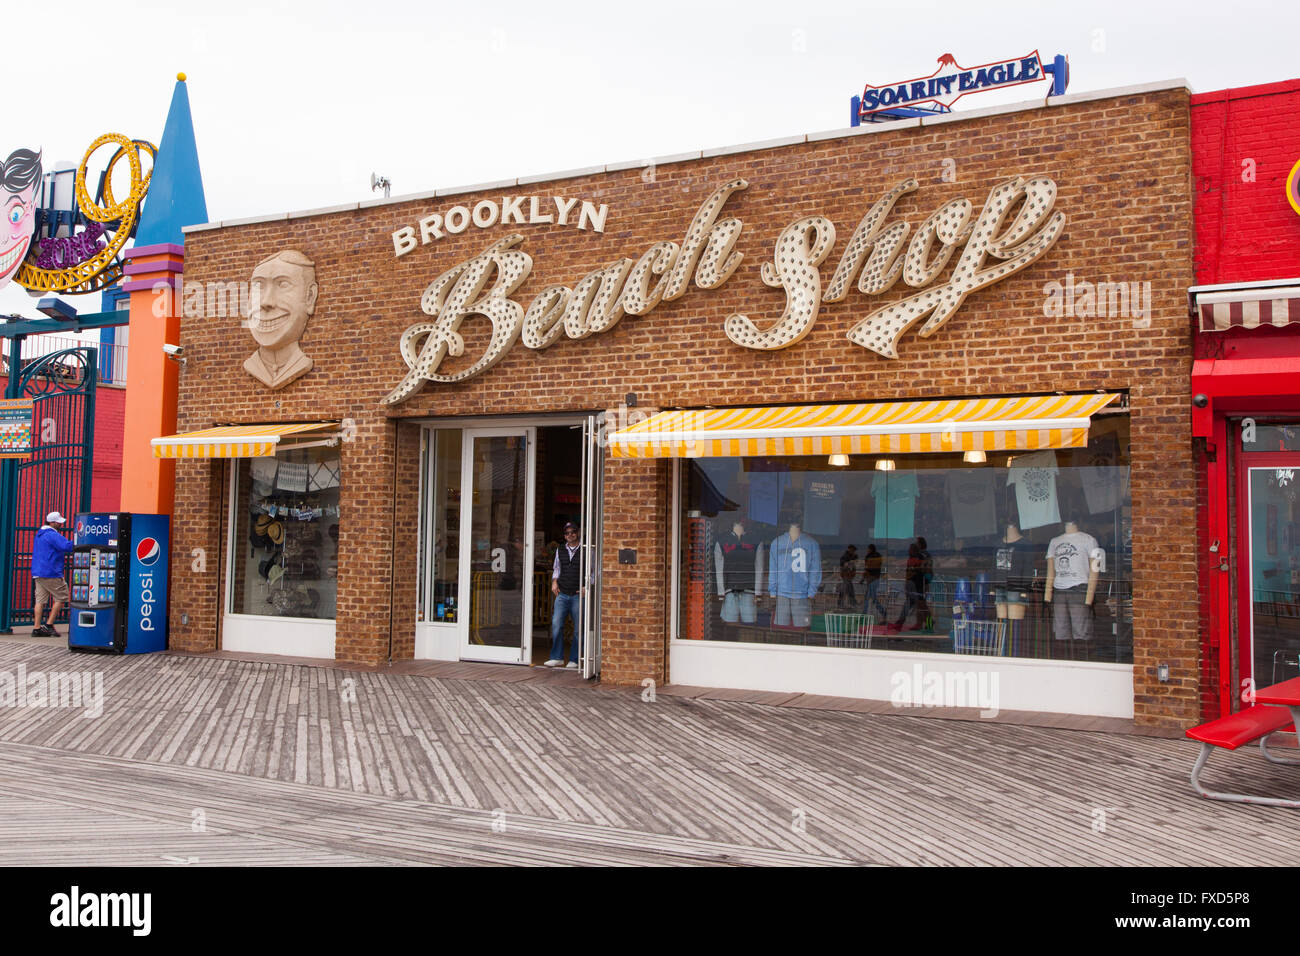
(181, 77)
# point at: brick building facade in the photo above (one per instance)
(1122, 166)
(1245, 142)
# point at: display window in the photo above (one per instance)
(1026, 554)
(443, 509)
(285, 552)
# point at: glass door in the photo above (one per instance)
(1270, 580)
(496, 544)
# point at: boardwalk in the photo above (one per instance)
(228, 761)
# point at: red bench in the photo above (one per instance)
(1258, 722)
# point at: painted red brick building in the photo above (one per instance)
(1246, 386)
(728, 340)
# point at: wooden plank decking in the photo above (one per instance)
(322, 765)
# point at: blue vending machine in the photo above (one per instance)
(119, 583)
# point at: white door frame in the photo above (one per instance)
(593, 465)
(481, 652)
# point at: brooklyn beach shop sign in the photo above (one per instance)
(877, 255)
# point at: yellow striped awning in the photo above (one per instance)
(237, 441)
(945, 425)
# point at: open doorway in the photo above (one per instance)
(559, 501)
(497, 495)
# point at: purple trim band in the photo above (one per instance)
(159, 249)
(173, 280)
(138, 268)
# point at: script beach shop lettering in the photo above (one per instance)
(877, 255)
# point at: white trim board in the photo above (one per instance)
(288, 636)
(1060, 687)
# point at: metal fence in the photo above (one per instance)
(111, 362)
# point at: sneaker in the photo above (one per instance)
(553, 663)
(41, 631)
(571, 666)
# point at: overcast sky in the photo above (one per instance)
(295, 105)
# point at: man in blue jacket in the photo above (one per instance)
(47, 572)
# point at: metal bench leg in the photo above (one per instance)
(1268, 755)
(1232, 797)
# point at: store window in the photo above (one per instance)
(935, 554)
(285, 554)
(1261, 436)
(444, 507)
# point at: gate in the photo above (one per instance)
(57, 476)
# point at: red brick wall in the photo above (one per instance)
(110, 416)
(406, 533)
(1246, 231)
(1123, 168)
(1244, 143)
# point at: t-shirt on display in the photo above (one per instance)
(1035, 479)
(821, 507)
(970, 496)
(1072, 556)
(1104, 480)
(895, 495)
(1015, 563)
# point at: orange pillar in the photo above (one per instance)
(153, 277)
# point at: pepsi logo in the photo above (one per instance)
(80, 526)
(147, 551)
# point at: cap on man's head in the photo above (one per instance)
(55, 518)
(570, 526)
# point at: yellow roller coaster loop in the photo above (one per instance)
(104, 268)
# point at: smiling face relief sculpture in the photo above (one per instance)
(282, 296)
(20, 177)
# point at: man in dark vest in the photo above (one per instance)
(567, 581)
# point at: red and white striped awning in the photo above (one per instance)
(1248, 308)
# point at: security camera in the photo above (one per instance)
(174, 352)
(1200, 401)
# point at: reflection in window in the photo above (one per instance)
(285, 558)
(1257, 436)
(1027, 555)
(445, 501)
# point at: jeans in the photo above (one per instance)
(566, 605)
(915, 599)
(873, 599)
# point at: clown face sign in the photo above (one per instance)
(20, 180)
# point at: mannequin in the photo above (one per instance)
(1014, 568)
(794, 576)
(1074, 562)
(738, 563)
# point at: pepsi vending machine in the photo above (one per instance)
(119, 583)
